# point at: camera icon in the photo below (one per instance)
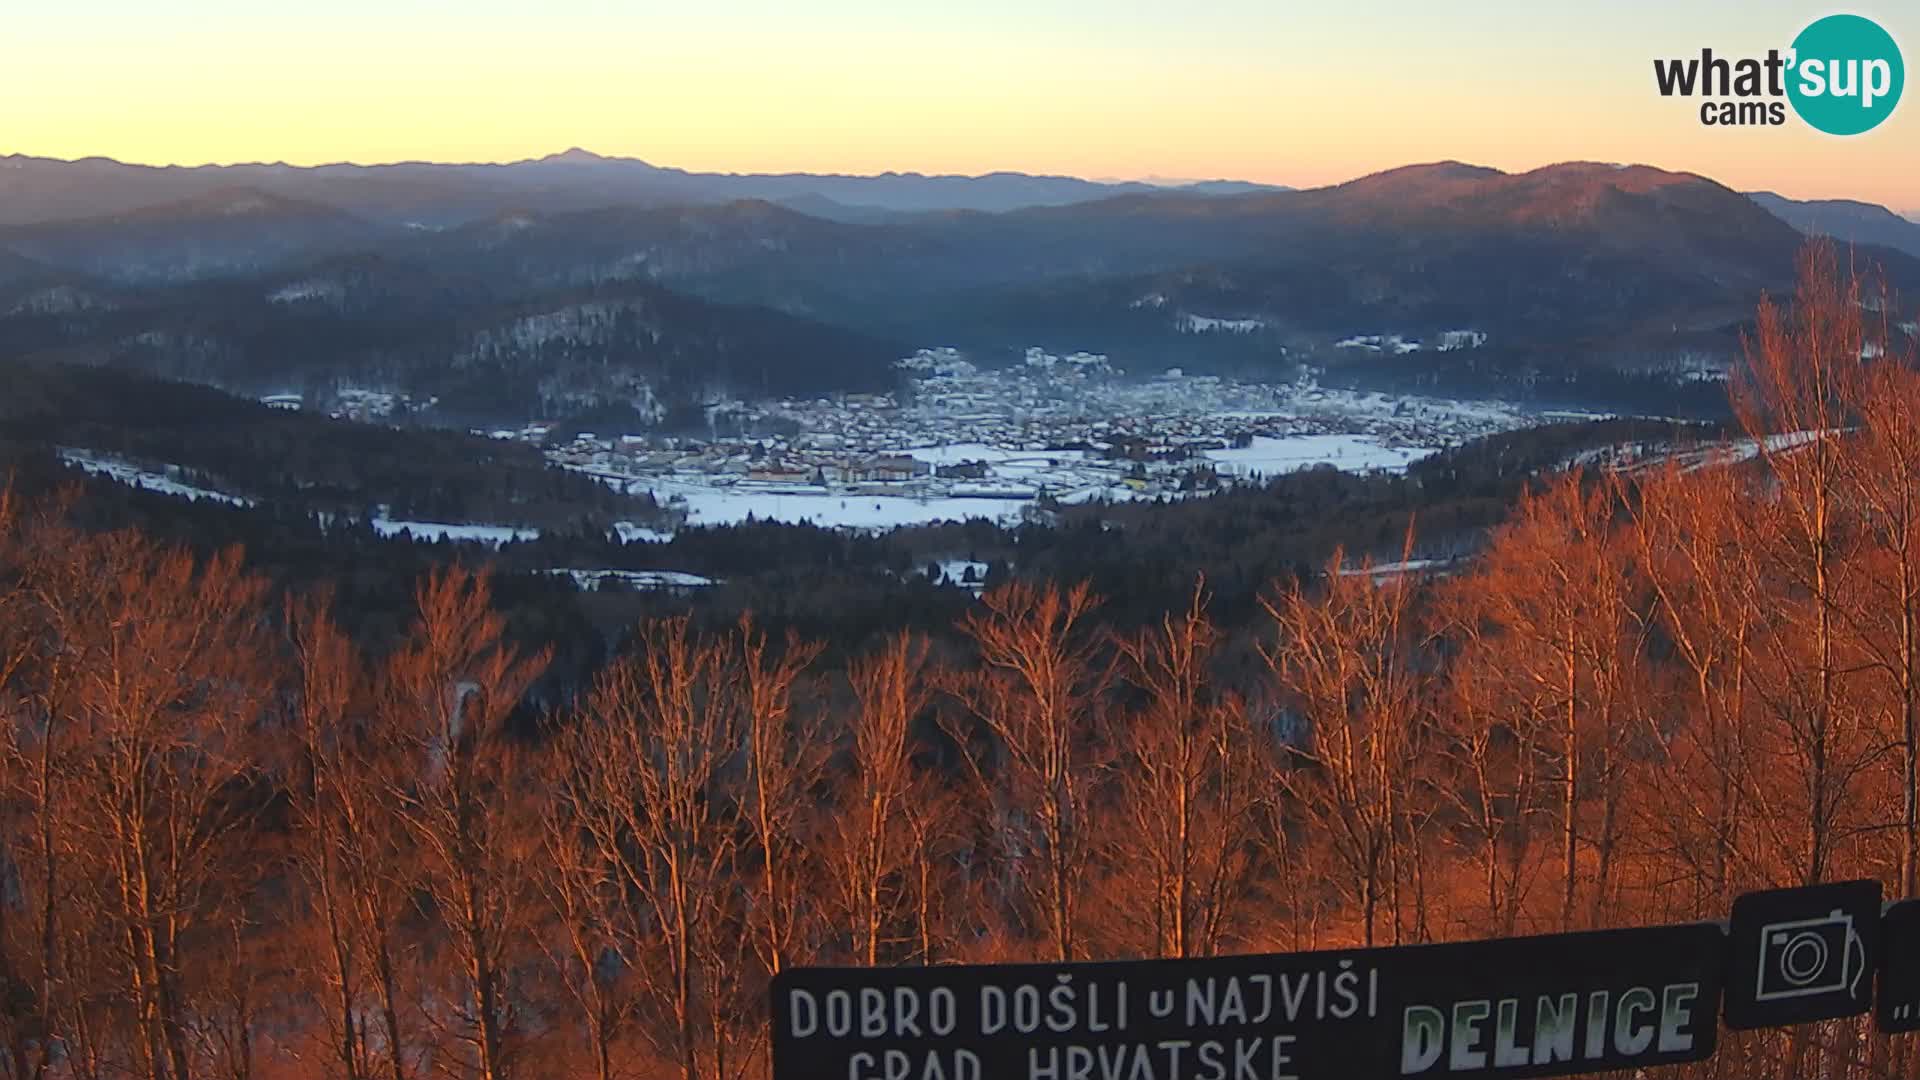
(1810, 957)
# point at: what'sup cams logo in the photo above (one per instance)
(1843, 75)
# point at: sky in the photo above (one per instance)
(1269, 90)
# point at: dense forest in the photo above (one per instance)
(462, 350)
(301, 462)
(240, 837)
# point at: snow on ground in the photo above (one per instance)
(1687, 457)
(629, 533)
(1012, 473)
(321, 289)
(1015, 479)
(1117, 493)
(1392, 343)
(797, 504)
(1203, 324)
(1743, 449)
(1791, 440)
(1270, 456)
(648, 580)
(954, 571)
(1376, 403)
(1450, 341)
(1321, 402)
(996, 489)
(1395, 569)
(134, 476)
(955, 453)
(493, 535)
(1577, 416)
(59, 300)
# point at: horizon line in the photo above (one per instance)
(581, 154)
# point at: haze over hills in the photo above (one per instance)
(1846, 220)
(590, 282)
(36, 190)
(216, 232)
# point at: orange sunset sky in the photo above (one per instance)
(1300, 94)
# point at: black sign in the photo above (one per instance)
(1899, 1004)
(1797, 955)
(1517, 1007)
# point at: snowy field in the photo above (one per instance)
(1270, 456)
(642, 580)
(133, 476)
(796, 504)
(1395, 569)
(1014, 480)
(630, 533)
(430, 531)
(955, 453)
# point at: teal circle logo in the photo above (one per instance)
(1846, 75)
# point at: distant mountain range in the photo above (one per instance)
(580, 282)
(35, 190)
(1846, 220)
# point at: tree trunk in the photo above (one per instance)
(1570, 800)
(1910, 733)
(484, 991)
(389, 997)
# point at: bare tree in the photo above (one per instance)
(66, 978)
(934, 812)
(653, 775)
(1033, 695)
(1342, 659)
(783, 764)
(450, 690)
(1796, 394)
(1186, 756)
(584, 898)
(1882, 471)
(347, 844)
(1687, 529)
(874, 819)
(1566, 634)
(1492, 783)
(29, 962)
(166, 696)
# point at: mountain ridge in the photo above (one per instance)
(1846, 220)
(221, 230)
(37, 189)
(1577, 266)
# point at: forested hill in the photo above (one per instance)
(463, 350)
(1578, 281)
(316, 483)
(296, 461)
